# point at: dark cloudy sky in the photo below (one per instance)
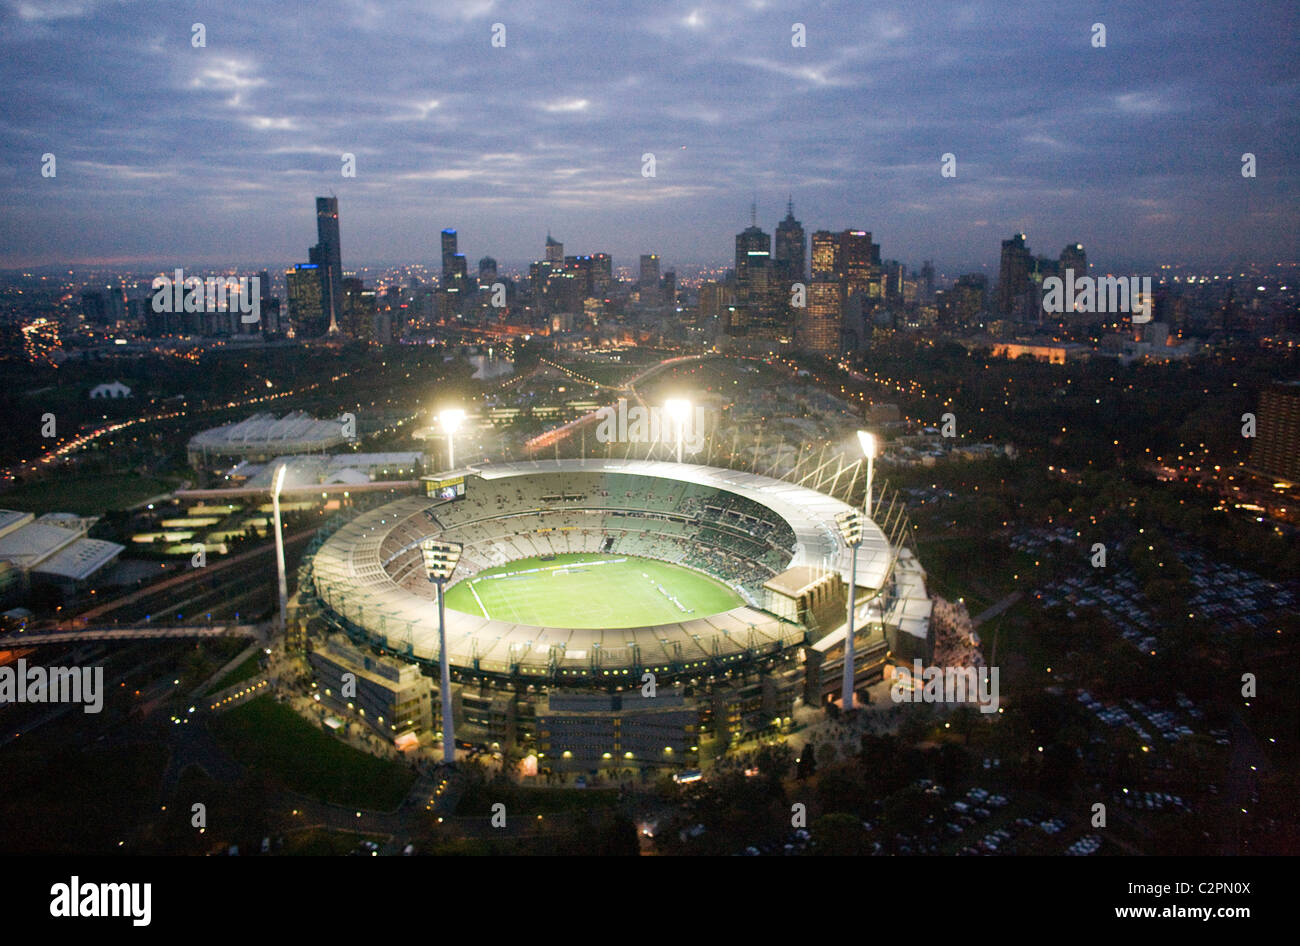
(168, 153)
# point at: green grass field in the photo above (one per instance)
(267, 735)
(590, 590)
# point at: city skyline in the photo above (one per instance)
(1051, 135)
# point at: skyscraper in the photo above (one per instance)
(554, 251)
(1073, 257)
(329, 256)
(648, 276)
(602, 273)
(1277, 444)
(448, 252)
(1013, 275)
(791, 248)
(819, 323)
(753, 258)
(859, 261)
(825, 254)
(307, 317)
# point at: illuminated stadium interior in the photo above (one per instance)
(737, 529)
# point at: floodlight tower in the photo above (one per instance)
(679, 409)
(277, 484)
(451, 420)
(440, 560)
(850, 522)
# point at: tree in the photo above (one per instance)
(840, 834)
(807, 763)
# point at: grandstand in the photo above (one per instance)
(741, 529)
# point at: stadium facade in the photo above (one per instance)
(743, 670)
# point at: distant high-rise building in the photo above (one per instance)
(963, 305)
(554, 251)
(358, 310)
(753, 258)
(825, 254)
(602, 273)
(819, 323)
(668, 287)
(859, 261)
(1277, 440)
(715, 298)
(329, 255)
(448, 252)
(1013, 275)
(927, 283)
(307, 317)
(487, 272)
(1073, 258)
(791, 248)
(648, 275)
(893, 275)
(583, 270)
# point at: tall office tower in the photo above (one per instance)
(1277, 441)
(271, 322)
(448, 252)
(753, 258)
(307, 318)
(358, 310)
(825, 254)
(583, 269)
(1013, 275)
(893, 274)
(487, 272)
(819, 323)
(966, 301)
(554, 251)
(648, 277)
(330, 258)
(668, 287)
(791, 248)
(859, 262)
(927, 283)
(1073, 257)
(715, 298)
(602, 273)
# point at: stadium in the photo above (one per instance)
(579, 577)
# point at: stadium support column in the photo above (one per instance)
(277, 483)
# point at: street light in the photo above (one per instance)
(440, 560)
(679, 409)
(277, 484)
(451, 420)
(850, 522)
